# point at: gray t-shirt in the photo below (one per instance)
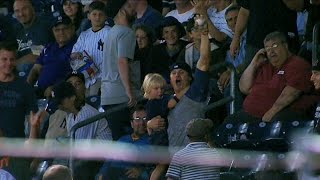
(120, 42)
(190, 106)
(186, 110)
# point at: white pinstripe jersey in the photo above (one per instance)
(92, 42)
(97, 130)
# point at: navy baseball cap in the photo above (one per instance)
(181, 65)
(61, 20)
(61, 91)
(76, 74)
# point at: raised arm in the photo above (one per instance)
(205, 54)
(35, 120)
(201, 7)
(241, 25)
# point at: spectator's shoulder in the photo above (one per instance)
(90, 110)
(298, 61)
(125, 138)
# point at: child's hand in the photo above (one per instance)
(76, 55)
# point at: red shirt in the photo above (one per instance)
(269, 83)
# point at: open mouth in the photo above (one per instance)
(178, 82)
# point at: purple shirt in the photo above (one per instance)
(55, 64)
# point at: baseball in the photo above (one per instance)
(200, 22)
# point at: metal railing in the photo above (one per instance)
(230, 99)
(315, 44)
(89, 121)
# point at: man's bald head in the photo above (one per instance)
(55, 172)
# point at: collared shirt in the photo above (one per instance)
(269, 83)
(219, 21)
(239, 57)
(195, 161)
(55, 63)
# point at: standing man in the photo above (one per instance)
(196, 159)
(17, 98)
(191, 93)
(115, 88)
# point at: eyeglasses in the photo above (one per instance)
(139, 119)
(274, 45)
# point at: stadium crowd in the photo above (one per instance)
(164, 62)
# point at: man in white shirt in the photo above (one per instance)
(184, 10)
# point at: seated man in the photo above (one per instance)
(32, 33)
(65, 96)
(194, 161)
(139, 137)
(57, 120)
(276, 83)
(53, 64)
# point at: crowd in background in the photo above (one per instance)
(164, 62)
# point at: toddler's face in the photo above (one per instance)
(156, 92)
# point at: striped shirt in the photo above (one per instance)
(195, 161)
(96, 130)
(219, 21)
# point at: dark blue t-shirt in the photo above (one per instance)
(17, 99)
(198, 90)
(158, 107)
(39, 33)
